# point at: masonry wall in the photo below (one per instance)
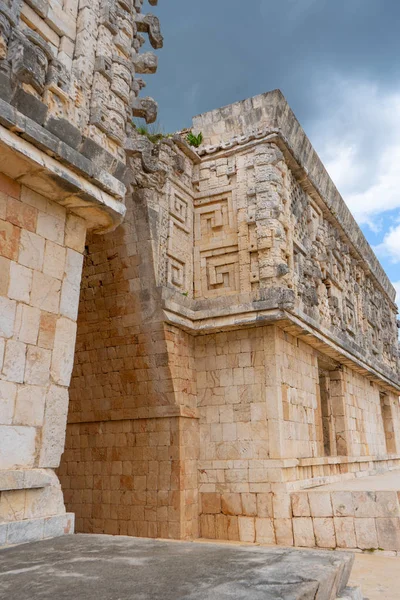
(252, 382)
(130, 464)
(41, 248)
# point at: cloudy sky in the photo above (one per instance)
(337, 63)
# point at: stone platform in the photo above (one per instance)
(106, 567)
(361, 513)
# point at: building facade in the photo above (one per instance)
(236, 338)
(237, 342)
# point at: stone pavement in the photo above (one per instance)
(121, 568)
(377, 575)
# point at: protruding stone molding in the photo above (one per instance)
(246, 310)
(31, 167)
(25, 479)
(151, 25)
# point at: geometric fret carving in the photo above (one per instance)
(216, 247)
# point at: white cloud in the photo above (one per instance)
(390, 247)
(358, 138)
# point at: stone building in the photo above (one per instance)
(236, 340)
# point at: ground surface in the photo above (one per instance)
(377, 575)
(120, 568)
(386, 482)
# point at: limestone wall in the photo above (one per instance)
(41, 247)
(130, 464)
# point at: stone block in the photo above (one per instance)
(29, 407)
(20, 283)
(31, 252)
(12, 505)
(221, 527)
(233, 528)
(63, 352)
(264, 505)
(324, 531)
(320, 504)
(75, 233)
(388, 531)
(247, 531)
(51, 228)
(387, 504)
(284, 532)
(365, 505)
(27, 324)
(207, 527)
(59, 525)
(54, 260)
(300, 505)
(54, 427)
(366, 535)
(47, 330)
(303, 532)
(5, 264)
(210, 503)
(45, 292)
(265, 532)
(37, 371)
(14, 361)
(21, 214)
(345, 532)
(282, 506)
(249, 504)
(18, 446)
(7, 317)
(8, 393)
(231, 504)
(9, 240)
(342, 503)
(22, 532)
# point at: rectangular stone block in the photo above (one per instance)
(18, 445)
(365, 505)
(342, 503)
(249, 504)
(29, 408)
(345, 532)
(31, 252)
(22, 532)
(388, 531)
(300, 505)
(59, 525)
(8, 392)
(284, 532)
(210, 503)
(282, 506)
(324, 531)
(265, 532)
(27, 324)
(366, 535)
(54, 427)
(303, 532)
(231, 504)
(246, 529)
(320, 504)
(264, 505)
(7, 317)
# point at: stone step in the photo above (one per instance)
(101, 567)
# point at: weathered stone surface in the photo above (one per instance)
(175, 570)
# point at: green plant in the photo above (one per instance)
(153, 133)
(194, 140)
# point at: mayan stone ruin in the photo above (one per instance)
(194, 342)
